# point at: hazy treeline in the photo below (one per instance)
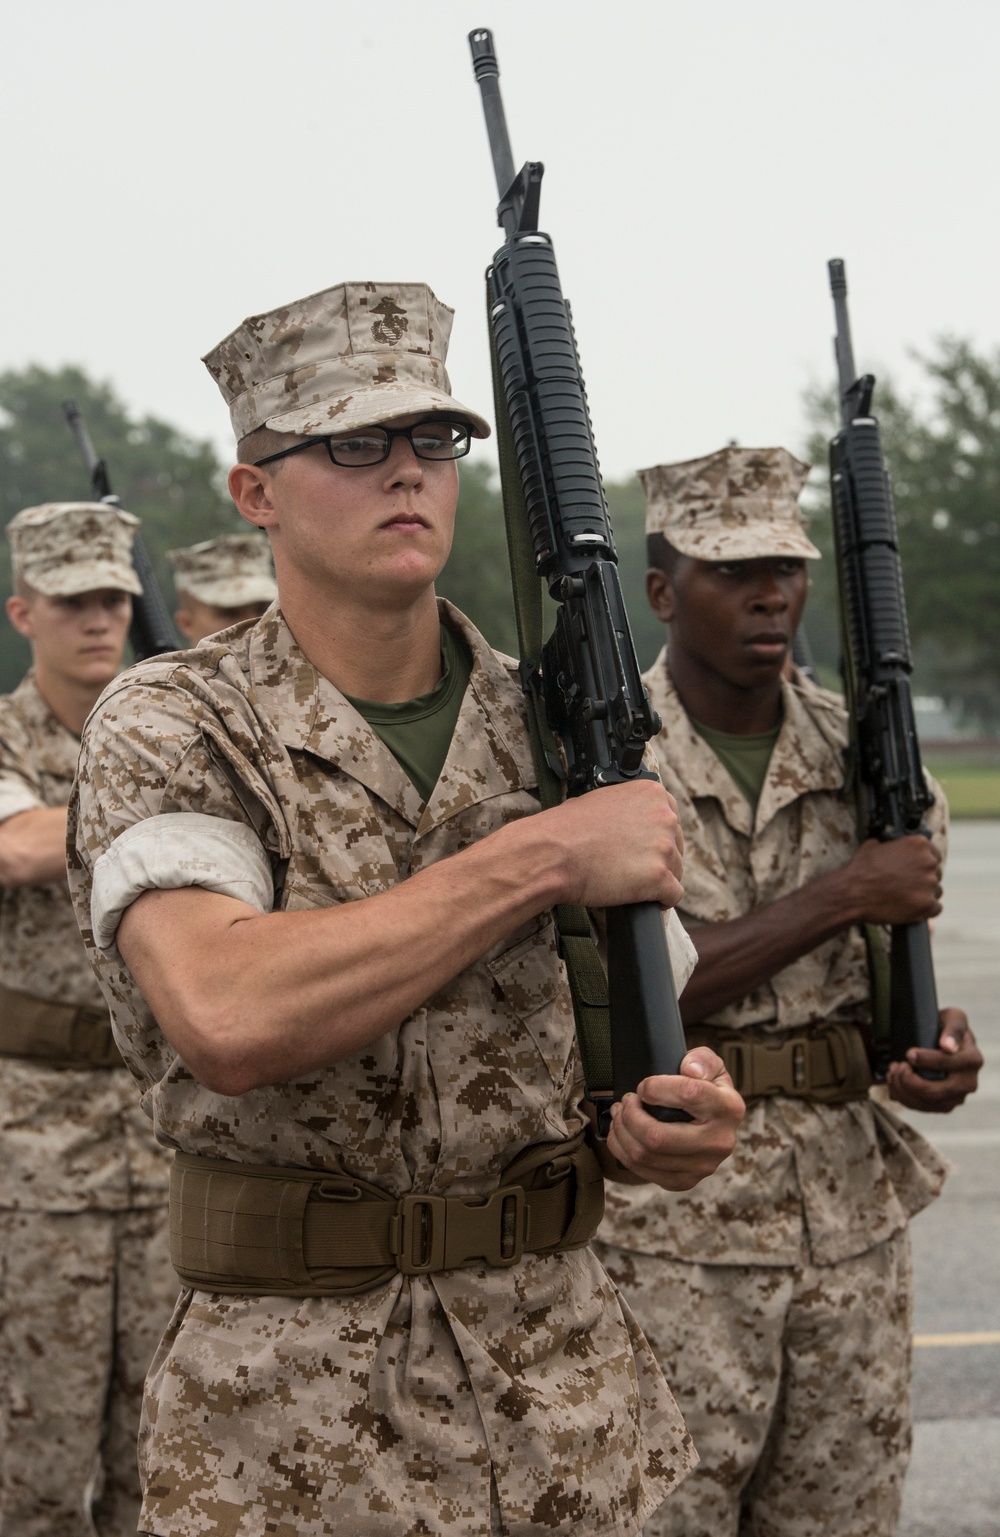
(944, 458)
(944, 454)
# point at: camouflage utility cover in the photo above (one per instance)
(825, 1180)
(70, 1138)
(351, 356)
(63, 548)
(226, 572)
(389, 1412)
(736, 504)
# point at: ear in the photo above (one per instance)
(660, 594)
(250, 489)
(184, 622)
(19, 614)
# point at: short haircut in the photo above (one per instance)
(661, 554)
(23, 589)
(261, 442)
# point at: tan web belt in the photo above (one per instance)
(828, 1062)
(264, 1231)
(57, 1034)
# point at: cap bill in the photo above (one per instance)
(706, 542)
(69, 578)
(370, 405)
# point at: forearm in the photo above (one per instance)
(265, 997)
(736, 957)
(33, 847)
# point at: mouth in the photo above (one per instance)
(768, 643)
(405, 522)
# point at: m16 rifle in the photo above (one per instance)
(583, 685)
(151, 632)
(884, 755)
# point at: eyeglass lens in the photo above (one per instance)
(371, 445)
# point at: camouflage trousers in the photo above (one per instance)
(84, 1297)
(794, 1383)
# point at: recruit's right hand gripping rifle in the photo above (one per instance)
(583, 684)
(889, 781)
(151, 632)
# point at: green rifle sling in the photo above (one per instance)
(588, 983)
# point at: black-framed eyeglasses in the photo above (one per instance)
(434, 439)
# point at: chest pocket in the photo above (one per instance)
(532, 980)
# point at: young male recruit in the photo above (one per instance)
(778, 1295)
(222, 582)
(317, 887)
(86, 1286)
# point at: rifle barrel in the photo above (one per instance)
(842, 346)
(78, 427)
(487, 72)
(152, 632)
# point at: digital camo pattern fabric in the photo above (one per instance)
(67, 547)
(226, 572)
(795, 1384)
(84, 1297)
(835, 1178)
(85, 1281)
(535, 1373)
(387, 1413)
(70, 1138)
(735, 504)
(350, 356)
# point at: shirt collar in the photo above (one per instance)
(490, 751)
(54, 748)
(808, 754)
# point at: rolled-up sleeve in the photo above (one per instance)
(156, 807)
(166, 853)
(17, 795)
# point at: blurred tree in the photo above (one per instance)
(627, 501)
(944, 460)
(170, 481)
(477, 576)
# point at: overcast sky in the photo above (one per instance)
(171, 168)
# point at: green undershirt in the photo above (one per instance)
(746, 757)
(418, 732)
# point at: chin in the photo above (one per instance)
(97, 674)
(755, 676)
(411, 576)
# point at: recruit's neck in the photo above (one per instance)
(386, 653)
(720, 704)
(70, 702)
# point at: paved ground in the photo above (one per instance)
(954, 1485)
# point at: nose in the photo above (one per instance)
(97, 619)
(403, 468)
(770, 596)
